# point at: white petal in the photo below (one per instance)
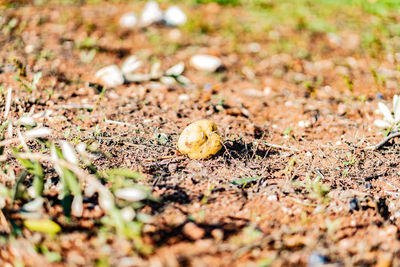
(81, 148)
(396, 108)
(395, 101)
(34, 205)
(130, 194)
(8, 103)
(69, 152)
(55, 158)
(77, 206)
(176, 70)
(106, 201)
(110, 76)
(382, 124)
(131, 64)
(38, 133)
(128, 213)
(27, 121)
(386, 112)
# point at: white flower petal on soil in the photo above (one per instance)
(90, 189)
(155, 72)
(81, 148)
(27, 121)
(183, 80)
(110, 76)
(386, 112)
(54, 157)
(131, 64)
(167, 80)
(137, 77)
(8, 103)
(33, 205)
(130, 194)
(176, 70)
(77, 206)
(69, 152)
(382, 124)
(396, 108)
(205, 62)
(174, 16)
(106, 200)
(128, 20)
(151, 13)
(38, 133)
(128, 214)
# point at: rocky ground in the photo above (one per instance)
(295, 98)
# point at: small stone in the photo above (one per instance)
(174, 16)
(354, 204)
(205, 62)
(317, 259)
(110, 76)
(379, 96)
(304, 124)
(128, 20)
(183, 97)
(252, 92)
(217, 234)
(267, 90)
(192, 231)
(368, 185)
(151, 14)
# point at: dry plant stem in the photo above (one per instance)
(384, 141)
(389, 184)
(9, 141)
(282, 147)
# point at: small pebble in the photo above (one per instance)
(317, 259)
(354, 204)
(368, 185)
(192, 231)
(183, 97)
(379, 96)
